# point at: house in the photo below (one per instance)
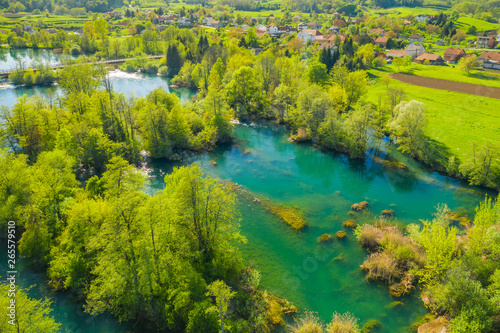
(260, 27)
(2, 31)
(414, 50)
(308, 35)
(301, 26)
(327, 46)
(52, 31)
(283, 30)
(207, 20)
(434, 59)
(184, 21)
(453, 55)
(216, 24)
(115, 15)
(490, 59)
(334, 29)
(314, 26)
(245, 27)
(195, 16)
(498, 37)
(272, 29)
(29, 29)
(421, 18)
(297, 18)
(253, 20)
(378, 31)
(486, 42)
(407, 22)
(416, 38)
(440, 43)
(381, 41)
(395, 54)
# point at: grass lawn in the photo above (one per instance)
(448, 73)
(455, 119)
(465, 22)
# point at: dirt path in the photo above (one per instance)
(466, 88)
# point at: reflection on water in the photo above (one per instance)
(130, 84)
(28, 57)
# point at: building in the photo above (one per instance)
(184, 21)
(207, 20)
(52, 31)
(416, 38)
(378, 31)
(434, 59)
(490, 59)
(486, 42)
(301, 26)
(440, 42)
(314, 26)
(414, 50)
(421, 18)
(395, 54)
(453, 54)
(260, 27)
(334, 29)
(327, 46)
(272, 29)
(308, 35)
(381, 41)
(216, 24)
(115, 15)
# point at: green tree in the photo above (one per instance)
(31, 315)
(223, 295)
(408, 126)
(467, 64)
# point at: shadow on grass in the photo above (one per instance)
(435, 154)
(483, 76)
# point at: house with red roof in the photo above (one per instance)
(490, 59)
(453, 55)
(434, 59)
(381, 41)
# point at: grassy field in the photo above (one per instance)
(464, 22)
(448, 73)
(454, 119)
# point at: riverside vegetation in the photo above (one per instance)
(453, 266)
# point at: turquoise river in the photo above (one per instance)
(323, 185)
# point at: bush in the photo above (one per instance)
(349, 224)
(29, 78)
(17, 77)
(343, 323)
(163, 71)
(325, 238)
(309, 323)
(341, 234)
(381, 266)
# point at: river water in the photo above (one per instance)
(317, 277)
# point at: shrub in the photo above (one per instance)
(309, 323)
(360, 206)
(29, 78)
(343, 323)
(369, 236)
(325, 238)
(381, 266)
(163, 71)
(349, 224)
(341, 234)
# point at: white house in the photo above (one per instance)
(207, 20)
(421, 18)
(272, 29)
(260, 27)
(308, 35)
(490, 59)
(184, 21)
(414, 50)
(301, 26)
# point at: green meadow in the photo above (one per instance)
(454, 119)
